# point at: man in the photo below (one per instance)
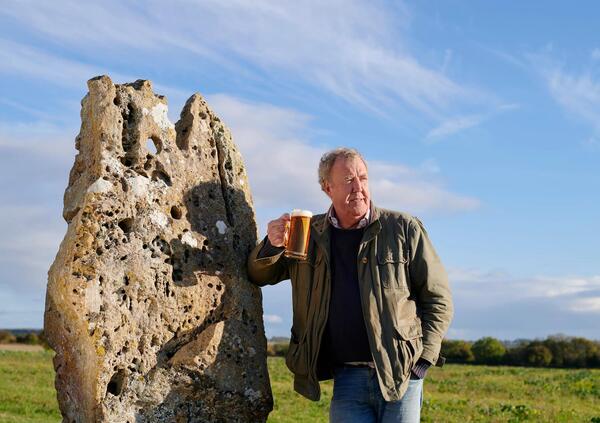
(371, 302)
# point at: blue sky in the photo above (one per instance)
(483, 120)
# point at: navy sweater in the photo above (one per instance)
(345, 333)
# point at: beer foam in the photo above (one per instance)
(303, 213)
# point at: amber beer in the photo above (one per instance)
(298, 235)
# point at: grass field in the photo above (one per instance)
(456, 393)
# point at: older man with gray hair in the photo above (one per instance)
(371, 302)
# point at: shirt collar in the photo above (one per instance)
(364, 221)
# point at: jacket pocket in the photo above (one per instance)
(296, 358)
(392, 269)
(410, 344)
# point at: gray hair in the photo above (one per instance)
(329, 158)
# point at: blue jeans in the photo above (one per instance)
(357, 399)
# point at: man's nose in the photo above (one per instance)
(356, 185)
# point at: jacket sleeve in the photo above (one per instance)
(267, 270)
(429, 279)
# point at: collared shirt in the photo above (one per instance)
(364, 221)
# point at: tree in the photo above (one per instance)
(488, 350)
(30, 338)
(457, 351)
(538, 355)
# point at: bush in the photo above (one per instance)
(488, 351)
(30, 338)
(538, 355)
(277, 349)
(6, 337)
(457, 351)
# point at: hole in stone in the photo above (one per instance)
(117, 381)
(157, 174)
(177, 275)
(126, 161)
(153, 145)
(175, 212)
(126, 225)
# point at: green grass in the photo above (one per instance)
(27, 392)
(456, 393)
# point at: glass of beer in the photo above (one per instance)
(298, 234)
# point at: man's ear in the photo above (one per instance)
(327, 188)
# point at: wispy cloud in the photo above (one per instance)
(457, 124)
(359, 51)
(272, 318)
(576, 92)
(282, 164)
(500, 286)
(39, 137)
(454, 125)
(497, 303)
(23, 60)
(586, 305)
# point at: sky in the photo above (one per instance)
(481, 119)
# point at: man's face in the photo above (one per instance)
(348, 188)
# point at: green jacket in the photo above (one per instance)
(404, 291)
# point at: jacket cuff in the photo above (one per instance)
(433, 357)
(268, 250)
(420, 368)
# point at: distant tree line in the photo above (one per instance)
(554, 351)
(21, 336)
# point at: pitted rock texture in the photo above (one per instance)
(148, 305)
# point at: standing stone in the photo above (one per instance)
(149, 307)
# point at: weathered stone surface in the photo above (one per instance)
(148, 304)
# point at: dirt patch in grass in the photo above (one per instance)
(21, 347)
